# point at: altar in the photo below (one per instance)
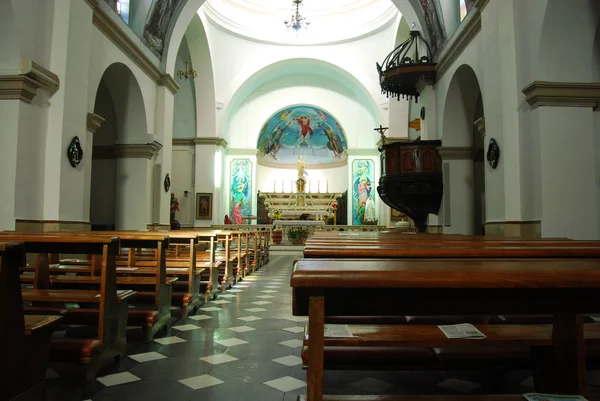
(301, 225)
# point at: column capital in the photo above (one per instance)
(94, 122)
(563, 94)
(455, 153)
(199, 141)
(31, 77)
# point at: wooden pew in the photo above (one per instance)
(24, 339)
(109, 305)
(154, 282)
(428, 287)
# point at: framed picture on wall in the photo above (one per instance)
(203, 206)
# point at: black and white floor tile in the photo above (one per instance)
(246, 346)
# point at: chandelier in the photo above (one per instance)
(297, 22)
(406, 67)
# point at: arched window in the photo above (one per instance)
(123, 10)
(463, 9)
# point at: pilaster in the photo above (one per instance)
(570, 193)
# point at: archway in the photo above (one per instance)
(464, 167)
(121, 181)
(186, 9)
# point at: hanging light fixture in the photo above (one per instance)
(297, 21)
(187, 73)
(406, 67)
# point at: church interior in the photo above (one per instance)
(300, 200)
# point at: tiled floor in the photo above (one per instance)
(248, 348)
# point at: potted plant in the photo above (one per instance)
(277, 232)
(297, 235)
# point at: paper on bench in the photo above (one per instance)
(552, 397)
(119, 293)
(126, 269)
(338, 331)
(464, 330)
(347, 234)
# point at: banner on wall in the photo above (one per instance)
(240, 199)
(363, 192)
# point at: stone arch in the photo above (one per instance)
(463, 157)
(119, 175)
(293, 66)
(129, 103)
(9, 40)
(186, 9)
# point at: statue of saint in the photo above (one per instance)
(300, 167)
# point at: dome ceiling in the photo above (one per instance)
(330, 20)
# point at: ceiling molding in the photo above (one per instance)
(92, 3)
(94, 122)
(215, 141)
(455, 153)
(18, 87)
(563, 94)
(139, 151)
(45, 78)
(115, 34)
(467, 31)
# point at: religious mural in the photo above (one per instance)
(157, 24)
(240, 200)
(303, 130)
(434, 22)
(363, 192)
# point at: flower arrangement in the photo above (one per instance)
(297, 233)
(277, 214)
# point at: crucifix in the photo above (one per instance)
(381, 131)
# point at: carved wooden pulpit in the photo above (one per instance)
(411, 178)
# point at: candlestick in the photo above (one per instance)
(274, 185)
(291, 186)
(327, 190)
(319, 186)
(281, 186)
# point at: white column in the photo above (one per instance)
(458, 185)
(65, 191)
(135, 186)
(9, 115)
(164, 134)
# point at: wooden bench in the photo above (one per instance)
(153, 316)
(24, 339)
(107, 304)
(431, 287)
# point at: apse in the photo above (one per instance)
(302, 130)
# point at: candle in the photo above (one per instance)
(327, 190)
(291, 186)
(319, 186)
(281, 186)
(274, 185)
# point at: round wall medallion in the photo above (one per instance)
(422, 113)
(74, 152)
(167, 183)
(493, 153)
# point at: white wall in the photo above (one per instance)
(183, 180)
(184, 115)
(251, 57)
(317, 90)
(334, 178)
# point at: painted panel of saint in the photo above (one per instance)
(363, 192)
(240, 199)
(302, 130)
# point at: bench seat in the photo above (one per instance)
(72, 349)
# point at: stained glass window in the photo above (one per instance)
(123, 10)
(463, 9)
